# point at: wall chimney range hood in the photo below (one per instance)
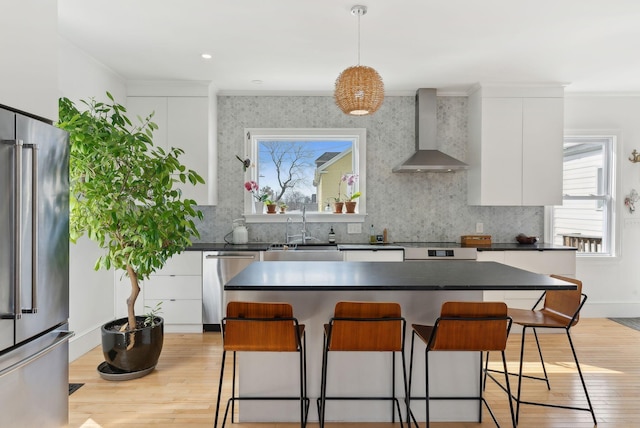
(427, 157)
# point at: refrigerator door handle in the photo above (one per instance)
(63, 337)
(17, 304)
(34, 232)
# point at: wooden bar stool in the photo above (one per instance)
(262, 327)
(364, 327)
(464, 326)
(560, 310)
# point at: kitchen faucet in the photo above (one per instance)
(303, 235)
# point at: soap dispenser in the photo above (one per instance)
(332, 236)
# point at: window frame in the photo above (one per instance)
(610, 140)
(359, 146)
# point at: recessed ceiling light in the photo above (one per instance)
(206, 56)
(257, 82)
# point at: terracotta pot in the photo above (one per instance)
(271, 208)
(337, 207)
(350, 206)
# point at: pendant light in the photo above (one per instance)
(359, 89)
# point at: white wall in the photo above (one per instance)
(91, 292)
(613, 285)
(29, 46)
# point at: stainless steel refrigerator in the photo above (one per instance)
(34, 271)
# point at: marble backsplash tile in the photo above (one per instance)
(425, 207)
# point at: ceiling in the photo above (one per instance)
(301, 46)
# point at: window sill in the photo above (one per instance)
(311, 218)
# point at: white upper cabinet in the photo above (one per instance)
(515, 146)
(182, 123)
(29, 79)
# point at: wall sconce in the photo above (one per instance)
(630, 200)
(635, 156)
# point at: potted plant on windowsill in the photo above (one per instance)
(123, 196)
(271, 206)
(350, 203)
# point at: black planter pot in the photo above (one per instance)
(145, 351)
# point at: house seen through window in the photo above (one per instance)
(585, 219)
(305, 167)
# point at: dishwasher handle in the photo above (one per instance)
(212, 256)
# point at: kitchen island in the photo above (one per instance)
(313, 288)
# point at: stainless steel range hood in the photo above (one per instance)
(427, 157)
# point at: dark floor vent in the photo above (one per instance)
(73, 387)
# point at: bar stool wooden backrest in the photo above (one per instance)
(262, 327)
(471, 326)
(258, 326)
(366, 326)
(465, 326)
(563, 305)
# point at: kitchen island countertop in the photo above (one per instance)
(425, 275)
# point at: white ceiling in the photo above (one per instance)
(300, 46)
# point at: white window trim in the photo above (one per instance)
(359, 137)
(616, 135)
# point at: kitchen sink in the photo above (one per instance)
(317, 247)
(300, 252)
(303, 247)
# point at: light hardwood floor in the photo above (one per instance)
(181, 391)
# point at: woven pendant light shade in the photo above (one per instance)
(359, 90)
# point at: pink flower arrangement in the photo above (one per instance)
(252, 186)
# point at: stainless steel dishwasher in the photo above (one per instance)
(218, 267)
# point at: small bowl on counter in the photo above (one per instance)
(524, 239)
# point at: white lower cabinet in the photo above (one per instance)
(177, 287)
(373, 256)
(557, 262)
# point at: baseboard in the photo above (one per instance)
(182, 328)
(84, 342)
(610, 310)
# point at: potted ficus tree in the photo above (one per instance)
(123, 196)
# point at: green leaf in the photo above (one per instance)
(123, 193)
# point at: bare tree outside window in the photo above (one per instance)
(291, 168)
(289, 161)
(302, 167)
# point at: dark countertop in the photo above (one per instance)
(419, 275)
(514, 246)
(222, 246)
(263, 246)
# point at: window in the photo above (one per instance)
(304, 168)
(585, 220)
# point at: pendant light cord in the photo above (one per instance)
(359, 14)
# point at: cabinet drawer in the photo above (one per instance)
(173, 287)
(186, 263)
(545, 262)
(178, 311)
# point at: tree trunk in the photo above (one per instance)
(131, 300)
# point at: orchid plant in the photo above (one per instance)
(260, 195)
(252, 186)
(350, 179)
